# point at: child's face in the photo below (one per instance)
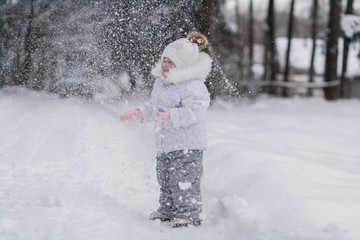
(166, 65)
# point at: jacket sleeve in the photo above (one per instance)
(147, 109)
(147, 112)
(193, 107)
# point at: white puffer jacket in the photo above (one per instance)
(184, 93)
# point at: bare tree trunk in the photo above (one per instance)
(344, 82)
(285, 92)
(239, 43)
(269, 38)
(313, 35)
(332, 93)
(270, 60)
(2, 31)
(207, 14)
(28, 48)
(273, 58)
(251, 40)
(265, 64)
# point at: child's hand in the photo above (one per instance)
(131, 116)
(163, 114)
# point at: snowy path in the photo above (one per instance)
(275, 169)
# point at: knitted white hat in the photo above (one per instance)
(190, 62)
(182, 52)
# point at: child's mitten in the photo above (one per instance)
(163, 114)
(131, 116)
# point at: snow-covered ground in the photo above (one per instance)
(274, 169)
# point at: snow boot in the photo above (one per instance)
(183, 222)
(156, 215)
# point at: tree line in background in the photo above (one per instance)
(40, 40)
(323, 23)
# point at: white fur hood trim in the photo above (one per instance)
(198, 70)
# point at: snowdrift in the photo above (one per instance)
(274, 169)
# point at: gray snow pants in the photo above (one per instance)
(179, 174)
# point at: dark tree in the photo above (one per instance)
(207, 14)
(239, 44)
(251, 40)
(344, 82)
(12, 43)
(270, 59)
(28, 48)
(287, 60)
(313, 36)
(220, 48)
(2, 39)
(332, 92)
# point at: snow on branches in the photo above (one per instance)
(350, 25)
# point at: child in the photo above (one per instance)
(178, 105)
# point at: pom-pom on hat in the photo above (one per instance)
(184, 52)
(199, 39)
